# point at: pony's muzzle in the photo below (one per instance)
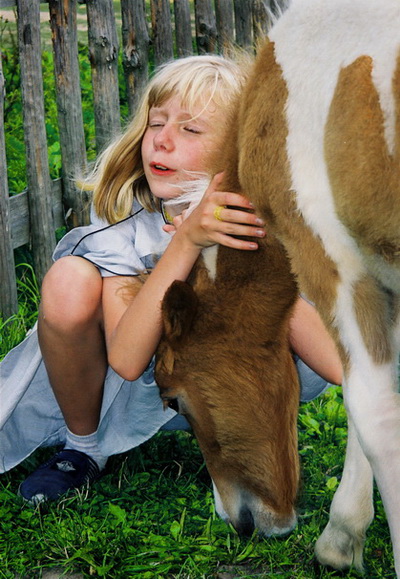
(248, 513)
(245, 525)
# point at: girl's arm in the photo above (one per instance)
(133, 326)
(311, 341)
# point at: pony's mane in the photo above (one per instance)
(192, 193)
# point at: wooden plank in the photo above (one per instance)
(206, 27)
(243, 22)
(225, 25)
(63, 17)
(103, 54)
(261, 19)
(38, 175)
(8, 287)
(161, 31)
(135, 55)
(19, 214)
(183, 28)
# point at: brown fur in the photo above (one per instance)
(375, 317)
(361, 172)
(225, 356)
(241, 402)
(361, 169)
(265, 98)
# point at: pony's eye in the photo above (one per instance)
(173, 403)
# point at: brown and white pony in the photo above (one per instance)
(316, 147)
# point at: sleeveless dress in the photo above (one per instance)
(132, 411)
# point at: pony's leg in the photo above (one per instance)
(373, 408)
(374, 405)
(342, 542)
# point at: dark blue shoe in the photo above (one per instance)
(67, 470)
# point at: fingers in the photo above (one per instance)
(243, 230)
(169, 229)
(234, 243)
(221, 217)
(224, 223)
(230, 214)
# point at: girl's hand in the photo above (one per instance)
(213, 222)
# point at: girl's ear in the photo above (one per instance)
(179, 307)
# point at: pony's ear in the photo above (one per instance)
(179, 308)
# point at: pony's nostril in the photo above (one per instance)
(245, 524)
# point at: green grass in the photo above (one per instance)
(13, 330)
(152, 514)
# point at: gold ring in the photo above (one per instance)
(217, 212)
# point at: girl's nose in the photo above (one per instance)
(164, 138)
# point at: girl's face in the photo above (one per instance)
(175, 143)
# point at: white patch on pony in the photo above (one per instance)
(348, 29)
(210, 260)
(218, 504)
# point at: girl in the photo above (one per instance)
(98, 325)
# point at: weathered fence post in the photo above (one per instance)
(135, 56)
(206, 29)
(225, 26)
(261, 19)
(38, 175)
(243, 22)
(162, 31)
(8, 285)
(69, 105)
(183, 28)
(103, 52)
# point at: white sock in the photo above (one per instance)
(88, 445)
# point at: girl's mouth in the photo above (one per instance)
(160, 169)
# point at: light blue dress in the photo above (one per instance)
(131, 412)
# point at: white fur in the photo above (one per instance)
(210, 260)
(323, 37)
(193, 192)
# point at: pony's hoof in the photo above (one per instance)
(339, 549)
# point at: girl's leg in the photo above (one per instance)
(72, 340)
(73, 348)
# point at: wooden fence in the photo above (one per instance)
(163, 28)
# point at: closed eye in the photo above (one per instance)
(193, 130)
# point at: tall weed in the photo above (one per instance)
(14, 329)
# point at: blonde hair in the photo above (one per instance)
(118, 175)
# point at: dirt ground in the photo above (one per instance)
(10, 15)
(56, 573)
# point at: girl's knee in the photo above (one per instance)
(71, 292)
